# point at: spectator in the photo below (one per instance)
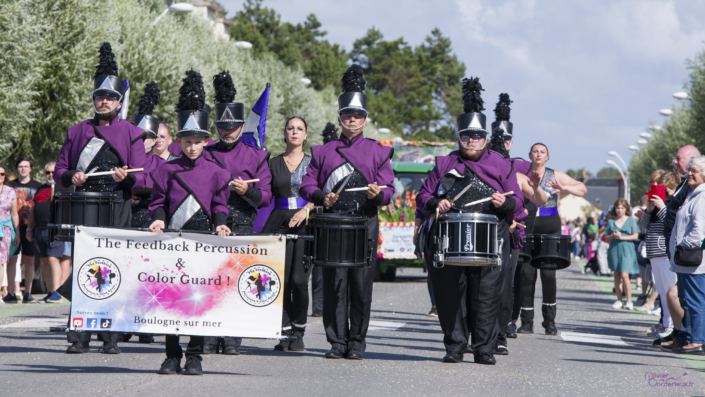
(652, 223)
(641, 283)
(25, 187)
(621, 231)
(9, 222)
(675, 300)
(592, 231)
(49, 254)
(687, 257)
(575, 236)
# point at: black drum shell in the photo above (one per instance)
(550, 252)
(525, 251)
(483, 239)
(339, 240)
(82, 209)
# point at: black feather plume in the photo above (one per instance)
(501, 112)
(106, 63)
(497, 142)
(224, 88)
(472, 97)
(354, 79)
(192, 96)
(149, 99)
(330, 133)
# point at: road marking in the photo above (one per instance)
(37, 323)
(593, 338)
(385, 326)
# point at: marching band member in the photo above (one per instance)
(547, 221)
(289, 217)
(367, 164)
(466, 296)
(243, 162)
(189, 193)
(103, 143)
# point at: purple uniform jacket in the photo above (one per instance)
(494, 169)
(246, 162)
(182, 187)
(153, 162)
(82, 144)
(520, 165)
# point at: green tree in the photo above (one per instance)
(608, 172)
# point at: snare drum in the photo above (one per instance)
(468, 239)
(550, 252)
(82, 209)
(340, 240)
(525, 252)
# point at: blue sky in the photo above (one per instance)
(586, 77)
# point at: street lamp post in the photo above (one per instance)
(625, 175)
(624, 178)
(634, 148)
(177, 8)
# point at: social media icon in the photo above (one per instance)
(105, 322)
(91, 323)
(77, 322)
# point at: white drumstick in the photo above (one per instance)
(486, 199)
(359, 189)
(111, 172)
(247, 181)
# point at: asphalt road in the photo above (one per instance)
(599, 351)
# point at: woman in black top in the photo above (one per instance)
(288, 217)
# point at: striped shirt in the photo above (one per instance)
(655, 241)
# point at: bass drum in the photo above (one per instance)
(339, 240)
(550, 252)
(82, 209)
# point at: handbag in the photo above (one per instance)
(688, 257)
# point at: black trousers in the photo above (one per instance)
(528, 287)
(173, 349)
(507, 297)
(468, 302)
(122, 216)
(516, 290)
(228, 341)
(317, 289)
(295, 311)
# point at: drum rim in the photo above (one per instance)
(84, 194)
(494, 261)
(332, 215)
(468, 216)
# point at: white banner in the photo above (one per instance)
(193, 284)
(397, 240)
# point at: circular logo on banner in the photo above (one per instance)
(98, 278)
(259, 285)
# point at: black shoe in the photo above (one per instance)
(231, 350)
(485, 358)
(146, 339)
(698, 351)
(170, 366)
(10, 298)
(28, 298)
(527, 328)
(354, 355)
(334, 353)
(78, 348)
(512, 331)
(110, 348)
(297, 345)
(550, 328)
(656, 342)
(670, 338)
(453, 358)
(317, 314)
(193, 366)
(433, 312)
(501, 350)
(125, 337)
(466, 350)
(283, 345)
(210, 349)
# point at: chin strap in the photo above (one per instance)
(232, 141)
(105, 111)
(149, 148)
(472, 148)
(352, 129)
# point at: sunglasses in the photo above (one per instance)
(2, 174)
(49, 172)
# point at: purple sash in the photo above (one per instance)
(291, 203)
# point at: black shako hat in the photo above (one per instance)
(501, 114)
(228, 114)
(472, 121)
(106, 81)
(145, 107)
(353, 99)
(192, 113)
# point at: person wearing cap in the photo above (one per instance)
(195, 199)
(355, 161)
(106, 142)
(466, 296)
(244, 162)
